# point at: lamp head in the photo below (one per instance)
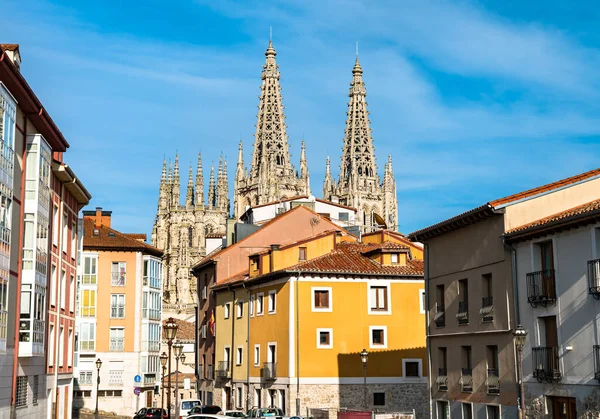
(163, 359)
(364, 356)
(98, 363)
(170, 329)
(520, 336)
(177, 349)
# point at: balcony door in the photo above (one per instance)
(547, 260)
(564, 408)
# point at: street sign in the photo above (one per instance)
(137, 378)
(137, 391)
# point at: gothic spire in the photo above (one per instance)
(189, 196)
(199, 183)
(328, 182)
(211, 187)
(304, 168)
(170, 175)
(239, 171)
(163, 176)
(176, 185)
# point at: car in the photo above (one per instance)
(204, 416)
(186, 405)
(151, 413)
(233, 413)
(208, 409)
(266, 412)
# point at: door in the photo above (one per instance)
(228, 397)
(551, 342)
(547, 259)
(149, 397)
(564, 408)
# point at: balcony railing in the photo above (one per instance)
(597, 362)
(545, 363)
(466, 380)
(541, 288)
(487, 309)
(493, 381)
(594, 278)
(440, 315)
(117, 344)
(118, 279)
(210, 372)
(442, 379)
(463, 312)
(269, 371)
(149, 379)
(223, 369)
(87, 345)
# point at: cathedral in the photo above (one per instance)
(181, 230)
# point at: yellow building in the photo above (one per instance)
(293, 325)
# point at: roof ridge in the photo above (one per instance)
(122, 235)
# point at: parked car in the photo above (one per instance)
(233, 413)
(266, 412)
(208, 409)
(151, 413)
(186, 405)
(204, 416)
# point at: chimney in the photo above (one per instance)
(12, 52)
(274, 251)
(102, 218)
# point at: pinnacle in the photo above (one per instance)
(357, 68)
(270, 49)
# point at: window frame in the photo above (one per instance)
(313, 291)
(239, 355)
(301, 250)
(117, 305)
(384, 398)
(422, 301)
(385, 337)
(272, 301)
(257, 358)
(239, 309)
(419, 361)
(388, 298)
(226, 311)
(260, 296)
(324, 346)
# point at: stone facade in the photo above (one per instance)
(538, 404)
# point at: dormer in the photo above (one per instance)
(389, 254)
(12, 52)
(254, 268)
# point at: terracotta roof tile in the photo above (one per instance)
(137, 236)
(186, 331)
(111, 239)
(9, 47)
(215, 235)
(561, 216)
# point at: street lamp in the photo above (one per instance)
(170, 333)
(520, 336)
(163, 361)
(178, 352)
(364, 356)
(98, 366)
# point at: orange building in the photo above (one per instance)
(119, 318)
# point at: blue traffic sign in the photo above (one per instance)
(137, 378)
(137, 391)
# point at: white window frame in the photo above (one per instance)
(239, 309)
(419, 361)
(227, 355)
(70, 347)
(462, 406)
(328, 330)
(257, 355)
(251, 305)
(226, 311)
(63, 289)
(395, 258)
(71, 293)
(269, 344)
(51, 345)
(381, 284)
(422, 301)
(55, 225)
(239, 355)
(385, 337)
(272, 302)
(260, 296)
(312, 296)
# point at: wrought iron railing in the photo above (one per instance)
(546, 364)
(442, 379)
(223, 369)
(487, 309)
(463, 312)
(597, 362)
(493, 381)
(466, 380)
(440, 315)
(269, 371)
(541, 287)
(594, 278)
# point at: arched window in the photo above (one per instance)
(190, 236)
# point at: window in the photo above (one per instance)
(226, 310)
(22, 384)
(88, 303)
(61, 347)
(493, 412)
(70, 348)
(378, 399)
(63, 289)
(378, 336)
(301, 254)
(65, 232)
(239, 308)
(90, 271)
(80, 394)
(117, 306)
(151, 305)
(117, 338)
(72, 293)
(110, 393)
(467, 411)
(238, 355)
(55, 225)
(379, 298)
(73, 240)
(394, 258)
(343, 216)
(151, 337)
(85, 377)
(325, 338)
(115, 373)
(252, 298)
(443, 410)
(256, 355)
(321, 299)
(240, 397)
(422, 302)
(87, 336)
(51, 345)
(272, 297)
(462, 314)
(412, 368)
(118, 274)
(53, 286)
(35, 388)
(260, 300)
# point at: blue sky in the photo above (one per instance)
(474, 100)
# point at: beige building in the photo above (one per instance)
(470, 293)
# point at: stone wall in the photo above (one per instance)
(539, 406)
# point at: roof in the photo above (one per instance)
(396, 234)
(112, 240)
(297, 242)
(186, 331)
(9, 47)
(493, 207)
(215, 235)
(385, 247)
(297, 197)
(137, 236)
(588, 212)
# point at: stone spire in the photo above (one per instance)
(176, 185)
(199, 183)
(211, 187)
(223, 190)
(304, 168)
(163, 190)
(328, 182)
(189, 196)
(239, 171)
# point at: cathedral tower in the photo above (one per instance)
(272, 175)
(359, 185)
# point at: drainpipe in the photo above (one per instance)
(247, 351)
(297, 349)
(427, 337)
(513, 252)
(233, 352)
(58, 300)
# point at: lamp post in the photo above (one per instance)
(364, 356)
(178, 352)
(520, 336)
(170, 330)
(98, 366)
(163, 361)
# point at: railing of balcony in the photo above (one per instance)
(463, 312)
(466, 380)
(545, 363)
(597, 362)
(149, 379)
(223, 369)
(440, 315)
(118, 279)
(541, 287)
(269, 371)
(116, 344)
(442, 379)
(493, 381)
(487, 309)
(594, 278)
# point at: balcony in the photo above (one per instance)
(117, 344)
(487, 309)
(149, 379)
(594, 278)
(442, 379)
(463, 312)
(541, 288)
(597, 362)
(466, 380)
(493, 381)
(269, 371)
(545, 364)
(223, 369)
(118, 279)
(440, 315)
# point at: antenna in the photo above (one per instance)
(270, 33)
(356, 49)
